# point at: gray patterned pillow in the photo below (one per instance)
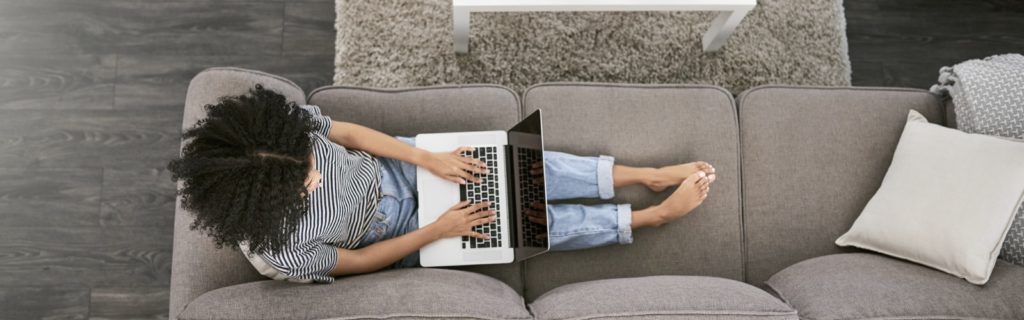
(988, 96)
(1013, 246)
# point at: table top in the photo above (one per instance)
(603, 5)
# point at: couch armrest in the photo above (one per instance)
(197, 265)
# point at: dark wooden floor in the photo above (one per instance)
(90, 109)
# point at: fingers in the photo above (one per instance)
(471, 165)
(460, 154)
(462, 168)
(467, 208)
(456, 180)
(482, 221)
(482, 214)
(460, 172)
(475, 207)
(459, 206)
(476, 164)
(459, 151)
(475, 234)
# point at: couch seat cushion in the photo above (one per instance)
(405, 293)
(660, 297)
(872, 286)
(646, 125)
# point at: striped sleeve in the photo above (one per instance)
(323, 123)
(311, 261)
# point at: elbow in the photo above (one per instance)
(342, 134)
(351, 262)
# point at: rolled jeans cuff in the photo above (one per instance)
(605, 180)
(625, 222)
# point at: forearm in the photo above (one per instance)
(355, 136)
(384, 253)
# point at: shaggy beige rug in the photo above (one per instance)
(402, 43)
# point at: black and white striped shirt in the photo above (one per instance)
(340, 210)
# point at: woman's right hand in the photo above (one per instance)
(460, 220)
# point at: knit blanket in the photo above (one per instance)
(988, 98)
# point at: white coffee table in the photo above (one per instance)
(732, 12)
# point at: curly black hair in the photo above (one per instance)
(244, 170)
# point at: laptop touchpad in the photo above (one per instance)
(483, 255)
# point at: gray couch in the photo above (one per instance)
(796, 164)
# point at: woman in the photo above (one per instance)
(308, 199)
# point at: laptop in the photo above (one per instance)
(508, 185)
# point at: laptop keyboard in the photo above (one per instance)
(531, 192)
(486, 190)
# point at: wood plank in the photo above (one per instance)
(47, 197)
(138, 197)
(129, 303)
(309, 28)
(866, 73)
(140, 26)
(85, 138)
(57, 81)
(863, 7)
(161, 82)
(920, 74)
(35, 302)
(89, 256)
(308, 71)
(910, 40)
(201, 27)
(51, 26)
(942, 30)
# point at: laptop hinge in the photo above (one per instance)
(512, 191)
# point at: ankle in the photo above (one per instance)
(651, 217)
(651, 176)
(624, 176)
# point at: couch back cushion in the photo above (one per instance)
(812, 158)
(646, 125)
(407, 112)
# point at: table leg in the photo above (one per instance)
(460, 28)
(721, 28)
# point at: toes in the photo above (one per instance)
(712, 177)
(704, 181)
(696, 177)
(706, 167)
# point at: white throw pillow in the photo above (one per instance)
(946, 202)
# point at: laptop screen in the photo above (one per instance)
(527, 152)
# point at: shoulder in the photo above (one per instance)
(312, 109)
(322, 122)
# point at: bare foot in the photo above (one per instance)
(690, 194)
(668, 176)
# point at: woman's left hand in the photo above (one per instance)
(455, 167)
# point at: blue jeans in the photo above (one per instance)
(571, 226)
